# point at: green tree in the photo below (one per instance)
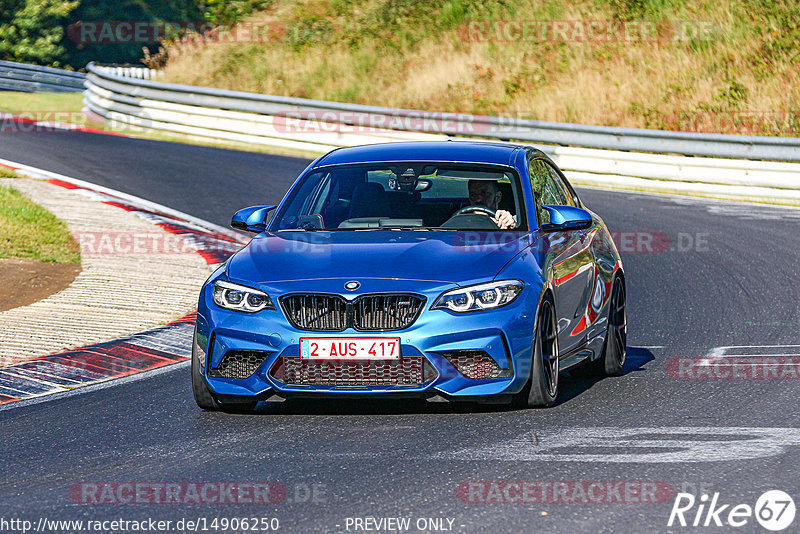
(225, 12)
(133, 11)
(32, 31)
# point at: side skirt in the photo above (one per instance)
(587, 351)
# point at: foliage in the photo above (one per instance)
(32, 31)
(226, 12)
(135, 11)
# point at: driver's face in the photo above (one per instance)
(484, 193)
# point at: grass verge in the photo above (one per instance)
(28, 231)
(19, 103)
(5, 172)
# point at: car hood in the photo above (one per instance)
(424, 256)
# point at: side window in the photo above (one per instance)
(305, 200)
(321, 196)
(546, 190)
(569, 195)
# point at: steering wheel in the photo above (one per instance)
(483, 210)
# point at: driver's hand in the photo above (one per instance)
(504, 220)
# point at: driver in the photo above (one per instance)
(487, 193)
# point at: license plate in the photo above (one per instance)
(350, 348)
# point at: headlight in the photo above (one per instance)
(235, 297)
(481, 297)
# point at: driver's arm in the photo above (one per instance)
(504, 220)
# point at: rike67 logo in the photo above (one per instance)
(774, 510)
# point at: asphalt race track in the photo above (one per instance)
(701, 275)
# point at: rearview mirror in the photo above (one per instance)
(563, 218)
(423, 184)
(252, 219)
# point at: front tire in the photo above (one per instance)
(205, 397)
(202, 393)
(542, 388)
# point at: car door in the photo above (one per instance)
(573, 262)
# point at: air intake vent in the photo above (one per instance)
(407, 371)
(475, 364)
(238, 364)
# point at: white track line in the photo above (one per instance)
(46, 397)
(35, 172)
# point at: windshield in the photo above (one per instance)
(405, 195)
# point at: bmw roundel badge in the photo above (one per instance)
(352, 285)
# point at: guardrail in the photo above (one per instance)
(126, 71)
(164, 103)
(34, 78)
(250, 118)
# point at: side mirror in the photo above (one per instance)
(252, 219)
(563, 218)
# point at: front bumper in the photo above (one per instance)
(504, 335)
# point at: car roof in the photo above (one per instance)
(455, 151)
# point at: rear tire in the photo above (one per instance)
(542, 388)
(615, 346)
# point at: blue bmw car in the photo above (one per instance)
(440, 270)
